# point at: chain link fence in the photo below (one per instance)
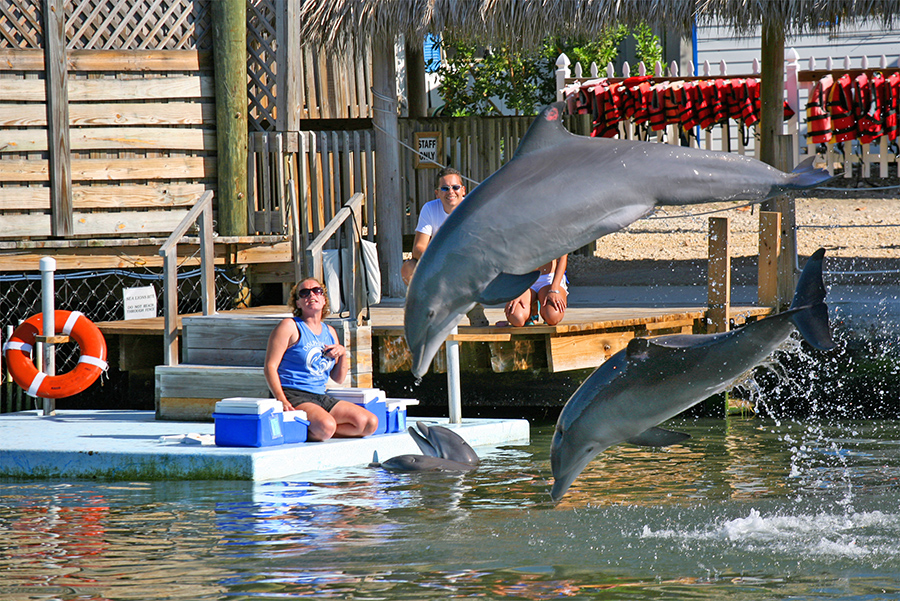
(100, 296)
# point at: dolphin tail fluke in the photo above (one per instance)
(805, 175)
(811, 316)
(375, 462)
(658, 437)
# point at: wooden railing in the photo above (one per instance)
(202, 212)
(346, 216)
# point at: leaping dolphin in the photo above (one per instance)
(444, 450)
(559, 192)
(654, 379)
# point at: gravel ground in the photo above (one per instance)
(860, 230)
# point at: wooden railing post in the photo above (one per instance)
(719, 277)
(201, 211)
(769, 251)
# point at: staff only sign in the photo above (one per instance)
(429, 145)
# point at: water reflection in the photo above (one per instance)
(748, 508)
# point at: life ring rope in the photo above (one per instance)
(91, 362)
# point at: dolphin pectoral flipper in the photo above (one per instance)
(658, 437)
(423, 443)
(507, 286)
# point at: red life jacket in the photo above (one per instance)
(869, 92)
(709, 98)
(818, 121)
(643, 100)
(607, 116)
(890, 105)
(657, 108)
(691, 101)
(840, 105)
(750, 108)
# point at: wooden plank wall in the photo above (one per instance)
(141, 119)
(327, 168)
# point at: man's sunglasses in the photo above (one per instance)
(304, 292)
(447, 188)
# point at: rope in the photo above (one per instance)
(83, 275)
(713, 212)
(857, 189)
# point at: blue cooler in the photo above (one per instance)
(248, 422)
(369, 398)
(396, 410)
(296, 426)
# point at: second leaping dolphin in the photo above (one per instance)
(559, 192)
(654, 379)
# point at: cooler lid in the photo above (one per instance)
(290, 416)
(248, 405)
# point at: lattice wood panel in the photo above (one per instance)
(139, 24)
(113, 24)
(261, 64)
(20, 24)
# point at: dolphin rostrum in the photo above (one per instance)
(654, 379)
(444, 450)
(559, 192)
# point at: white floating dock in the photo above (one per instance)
(126, 445)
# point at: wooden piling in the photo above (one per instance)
(229, 19)
(719, 277)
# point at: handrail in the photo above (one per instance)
(202, 210)
(315, 269)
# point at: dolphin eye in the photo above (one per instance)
(430, 313)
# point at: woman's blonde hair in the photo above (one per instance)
(295, 310)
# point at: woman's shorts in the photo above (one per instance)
(296, 397)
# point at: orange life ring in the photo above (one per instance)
(37, 384)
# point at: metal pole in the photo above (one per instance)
(454, 397)
(48, 296)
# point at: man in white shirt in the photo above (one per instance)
(450, 191)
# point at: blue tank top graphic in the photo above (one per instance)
(303, 365)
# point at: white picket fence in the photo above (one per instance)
(729, 136)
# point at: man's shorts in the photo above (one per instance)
(296, 397)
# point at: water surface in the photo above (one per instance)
(746, 509)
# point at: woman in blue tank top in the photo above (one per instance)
(302, 354)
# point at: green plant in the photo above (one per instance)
(473, 80)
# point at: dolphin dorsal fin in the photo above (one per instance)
(506, 286)
(546, 130)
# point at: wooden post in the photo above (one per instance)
(57, 74)
(229, 19)
(719, 277)
(389, 201)
(769, 251)
(416, 94)
(289, 58)
(771, 94)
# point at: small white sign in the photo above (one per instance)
(428, 143)
(139, 302)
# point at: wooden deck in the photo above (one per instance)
(576, 343)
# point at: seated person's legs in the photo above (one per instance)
(519, 310)
(550, 313)
(352, 420)
(322, 425)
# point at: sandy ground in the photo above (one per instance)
(860, 230)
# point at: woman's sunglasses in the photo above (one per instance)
(304, 292)
(447, 188)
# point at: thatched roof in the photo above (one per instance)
(527, 22)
